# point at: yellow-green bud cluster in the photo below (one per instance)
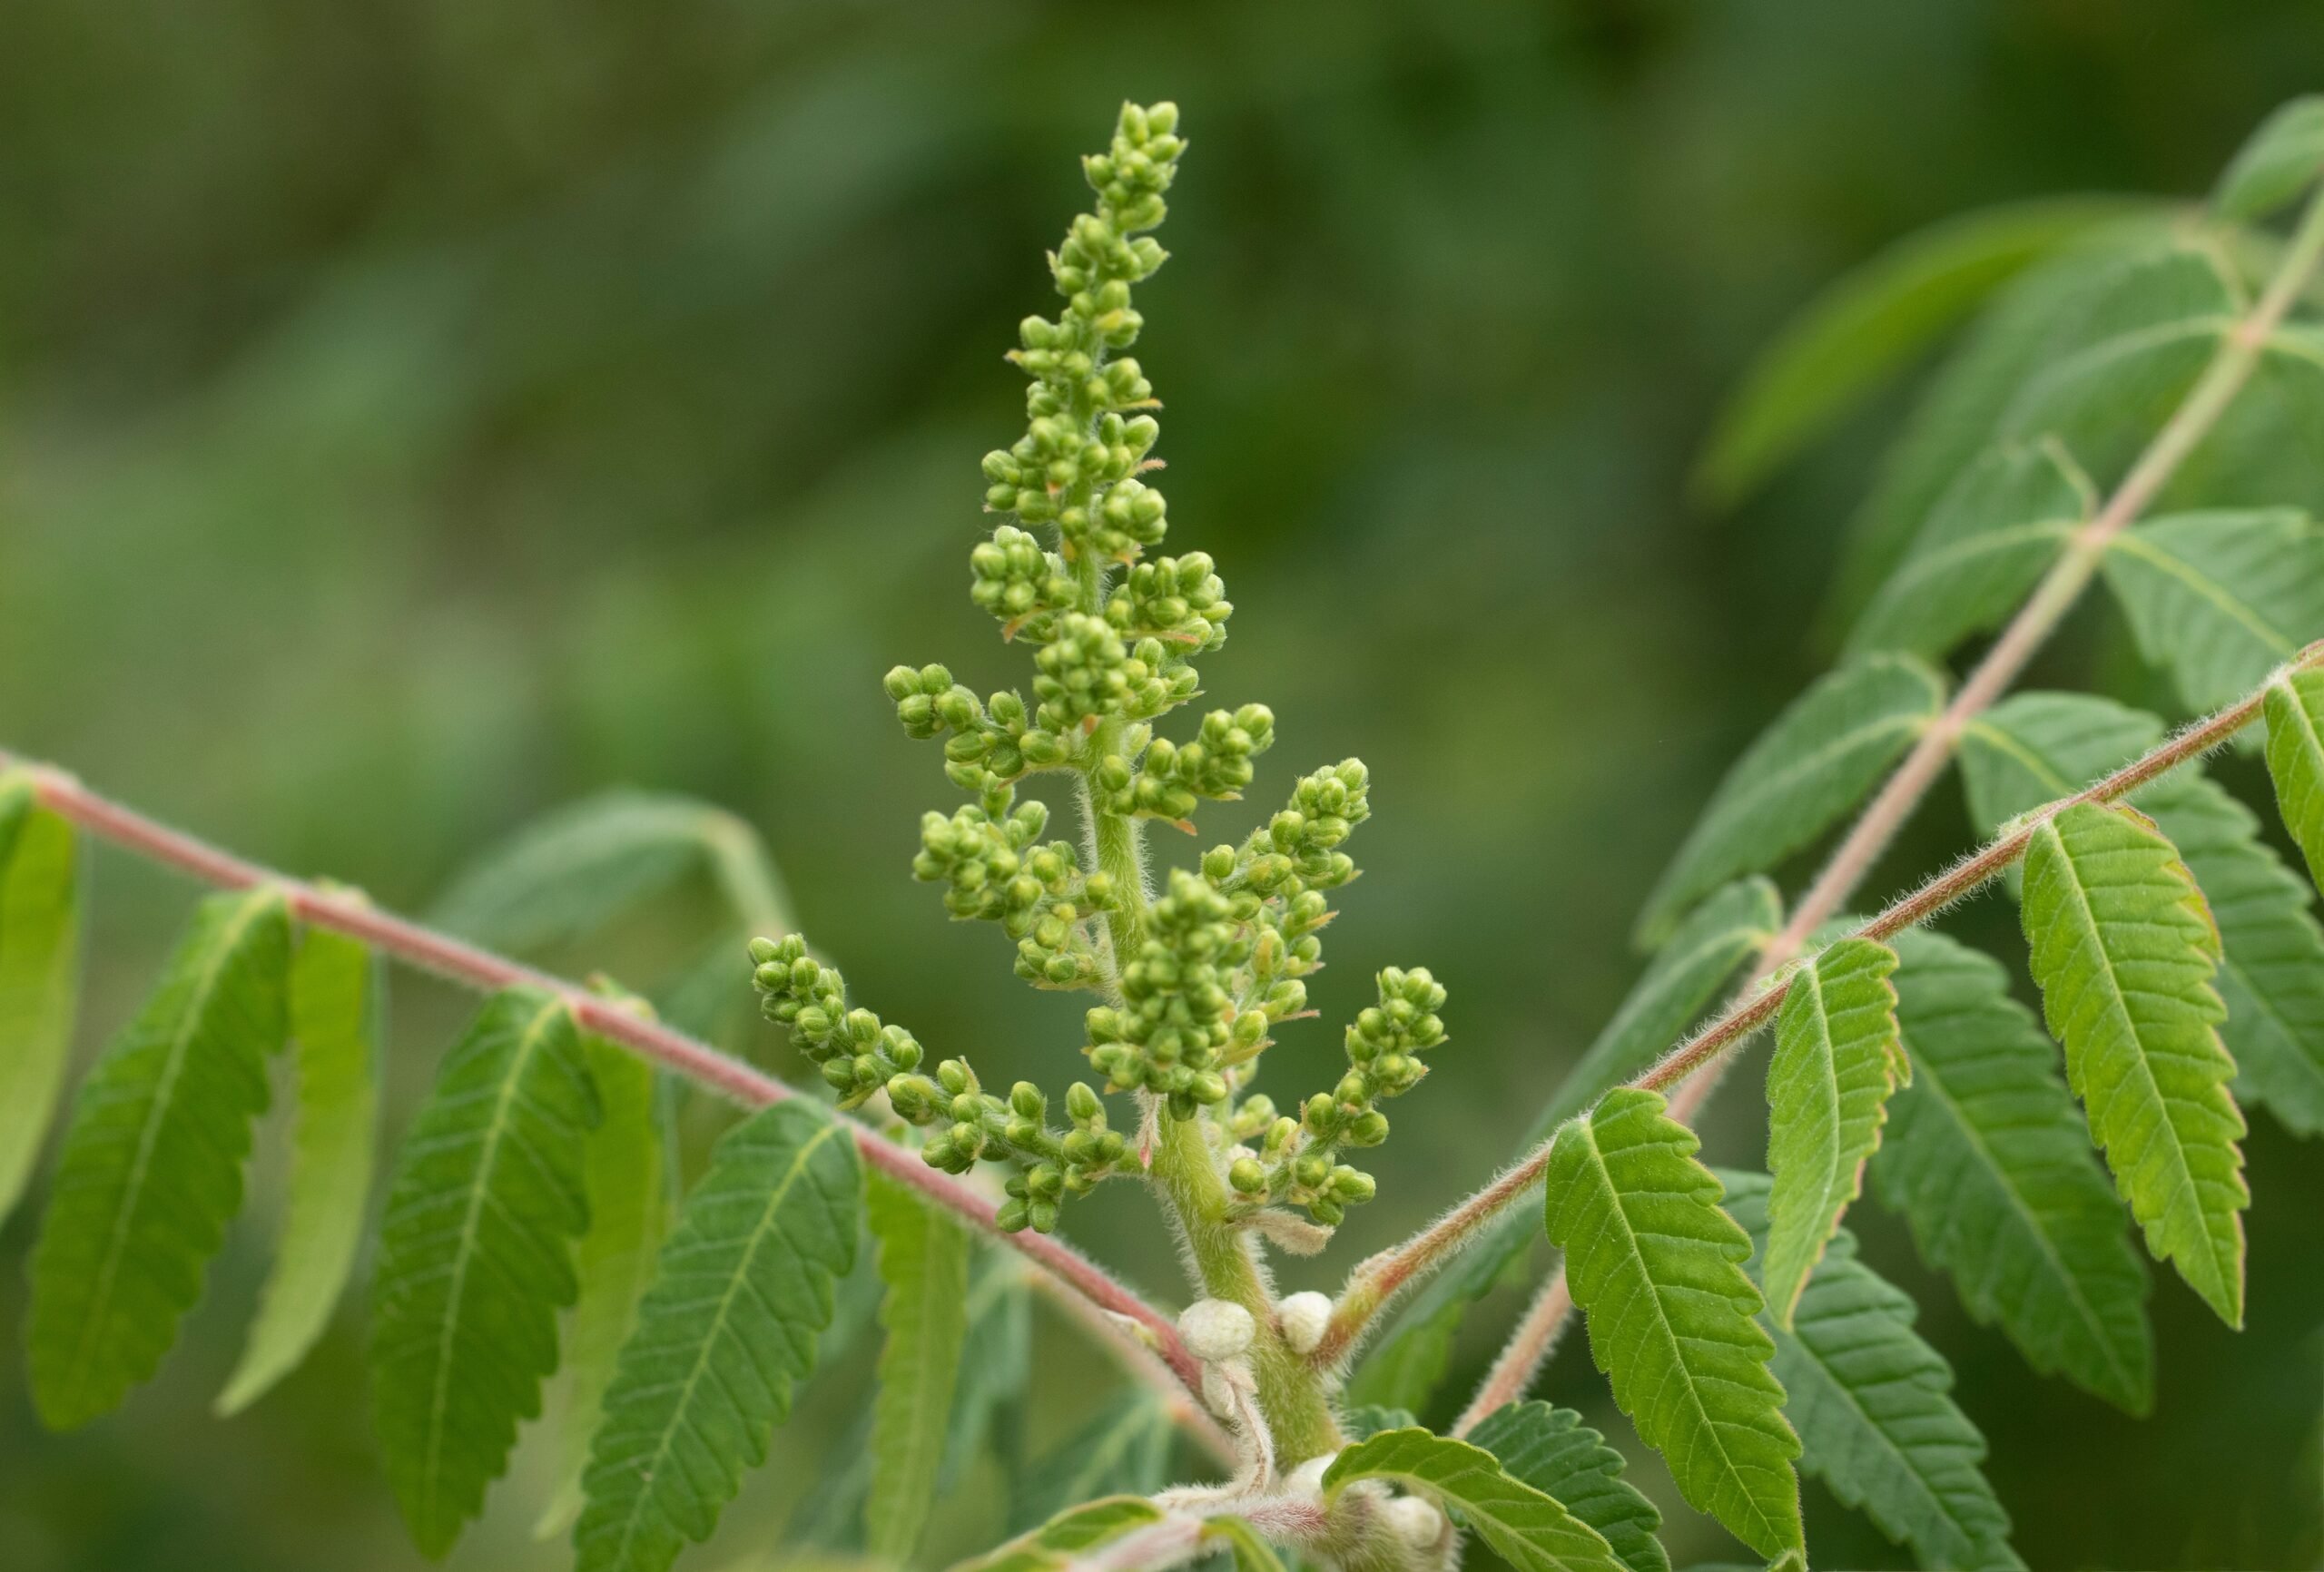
(994, 872)
(1021, 584)
(855, 1053)
(988, 745)
(977, 1126)
(1298, 1160)
(1178, 1020)
(1173, 776)
(1298, 849)
(1087, 673)
(1178, 599)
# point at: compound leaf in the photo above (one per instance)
(1988, 538)
(1874, 1407)
(40, 963)
(2295, 711)
(744, 1286)
(2221, 599)
(924, 1261)
(1553, 1452)
(1818, 761)
(2124, 951)
(1250, 1552)
(338, 996)
(1686, 974)
(2132, 299)
(152, 1169)
(1532, 1531)
(1657, 1267)
(475, 1257)
(626, 1176)
(1867, 326)
(1838, 1061)
(2280, 161)
(1992, 1167)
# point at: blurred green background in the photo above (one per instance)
(415, 413)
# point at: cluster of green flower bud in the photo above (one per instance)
(977, 1126)
(1076, 464)
(1297, 1160)
(1019, 582)
(996, 869)
(1173, 776)
(1298, 849)
(1178, 599)
(855, 1053)
(989, 744)
(1086, 673)
(1177, 1025)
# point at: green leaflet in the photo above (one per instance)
(2039, 747)
(626, 1176)
(2033, 749)
(1530, 1531)
(2124, 952)
(338, 1001)
(1987, 540)
(1866, 327)
(1058, 1541)
(1874, 1407)
(40, 964)
(1806, 771)
(1657, 1267)
(924, 1261)
(744, 1285)
(1990, 1163)
(2272, 968)
(1838, 1061)
(1685, 975)
(2129, 295)
(1553, 1452)
(475, 1257)
(1124, 1450)
(573, 870)
(2277, 163)
(2295, 711)
(2221, 599)
(152, 1169)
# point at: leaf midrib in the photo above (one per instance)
(2206, 587)
(2183, 1176)
(1848, 1395)
(759, 1234)
(149, 1130)
(1672, 1338)
(527, 1043)
(1934, 1079)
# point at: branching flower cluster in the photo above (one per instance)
(1194, 979)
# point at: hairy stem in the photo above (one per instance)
(1852, 861)
(475, 968)
(1378, 1279)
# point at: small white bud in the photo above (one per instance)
(1216, 1329)
(1415, 1521)
(1304, 1317)
(1308, 1478)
